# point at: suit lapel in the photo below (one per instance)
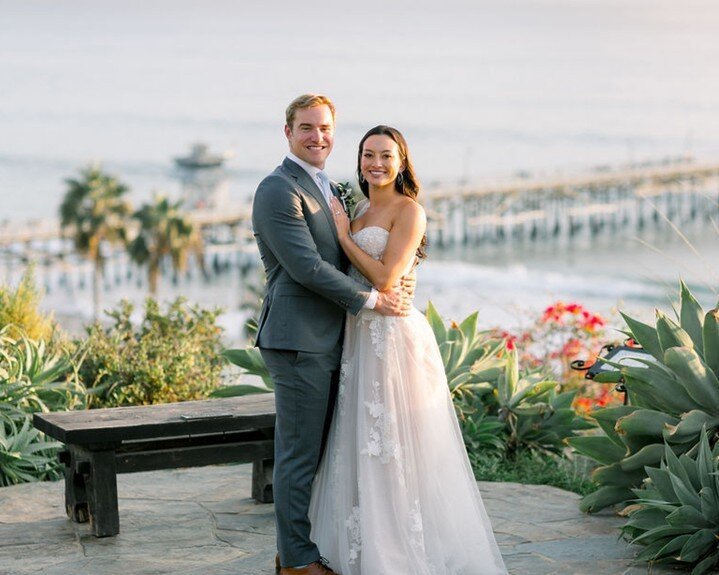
(311, 187)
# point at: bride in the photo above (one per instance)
(395, 493)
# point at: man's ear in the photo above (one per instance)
(288, 131)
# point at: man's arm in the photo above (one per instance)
(279, 221)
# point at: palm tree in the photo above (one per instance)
(94, 212)
(164, 230)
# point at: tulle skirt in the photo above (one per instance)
(395, 493)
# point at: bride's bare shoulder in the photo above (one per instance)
(410, 212)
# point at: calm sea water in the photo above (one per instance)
(481, 89)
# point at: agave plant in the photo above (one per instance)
(32, 378)
(25, 454)
(484, 377)
(472, 359)
(671, 400)
(536, 416)
(676, 515)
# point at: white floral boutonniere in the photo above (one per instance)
(347, 197)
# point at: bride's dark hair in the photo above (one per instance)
(408, 184)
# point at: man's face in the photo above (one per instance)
(311, 134)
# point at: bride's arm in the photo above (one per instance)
(404, 239)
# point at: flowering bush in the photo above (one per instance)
(563, 333)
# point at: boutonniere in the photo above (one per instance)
(347, 197)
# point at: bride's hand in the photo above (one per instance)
(342, 222)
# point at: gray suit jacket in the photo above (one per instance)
(307, 291)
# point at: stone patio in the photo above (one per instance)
(203, 522)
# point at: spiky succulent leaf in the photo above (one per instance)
(689, 426)
(607, 419)
(670, 334)
(598, 448)
(643, 427)
(711, 340)
(645, 335)
(691, 317)
(647, 455)
(604, 497)
(699, 381)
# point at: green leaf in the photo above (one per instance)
(661, 482)
(436, 323)
(690, 426)
(604, 497)
(469, 326)
(663, 388)
(647, 518)
(250, 360)
(647, 455)
(607, 418)
(706, 564)
(685, 491)
(698, 545)
(659, 532)
(644, 422)
(614, 475)
(688, 516)
(670, 334)
(711, 340)
(597, 447)
(699, 381)
(646, 336)
(671, 548)
(691, 316)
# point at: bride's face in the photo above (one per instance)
(381, 161)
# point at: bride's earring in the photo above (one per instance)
(400, 180)
(361, 178)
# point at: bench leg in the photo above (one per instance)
(101, 486)
(75, 492)
(262, 480)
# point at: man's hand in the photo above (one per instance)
(393, 302)
(408, 283)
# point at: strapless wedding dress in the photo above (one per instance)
(395, 493)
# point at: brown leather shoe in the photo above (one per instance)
(316, 568)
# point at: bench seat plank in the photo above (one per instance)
(109, 425)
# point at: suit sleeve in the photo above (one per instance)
(279, 221)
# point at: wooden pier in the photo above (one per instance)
(616, 201)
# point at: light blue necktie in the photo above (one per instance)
(325, 187)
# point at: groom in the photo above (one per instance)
(301, 323)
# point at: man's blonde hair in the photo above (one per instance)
(307, 101)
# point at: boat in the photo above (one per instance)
(200, 157)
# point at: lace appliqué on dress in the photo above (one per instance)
(354, 529)
(382, 443)
(342, 387)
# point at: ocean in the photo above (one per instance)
(482, 89)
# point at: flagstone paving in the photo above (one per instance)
(203, 522)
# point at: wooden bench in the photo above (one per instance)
(100, 443)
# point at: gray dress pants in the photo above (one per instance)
(305, 393)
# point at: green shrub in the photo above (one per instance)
(671, 400)
(20, 310)
(168, 357)
(676, 514)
